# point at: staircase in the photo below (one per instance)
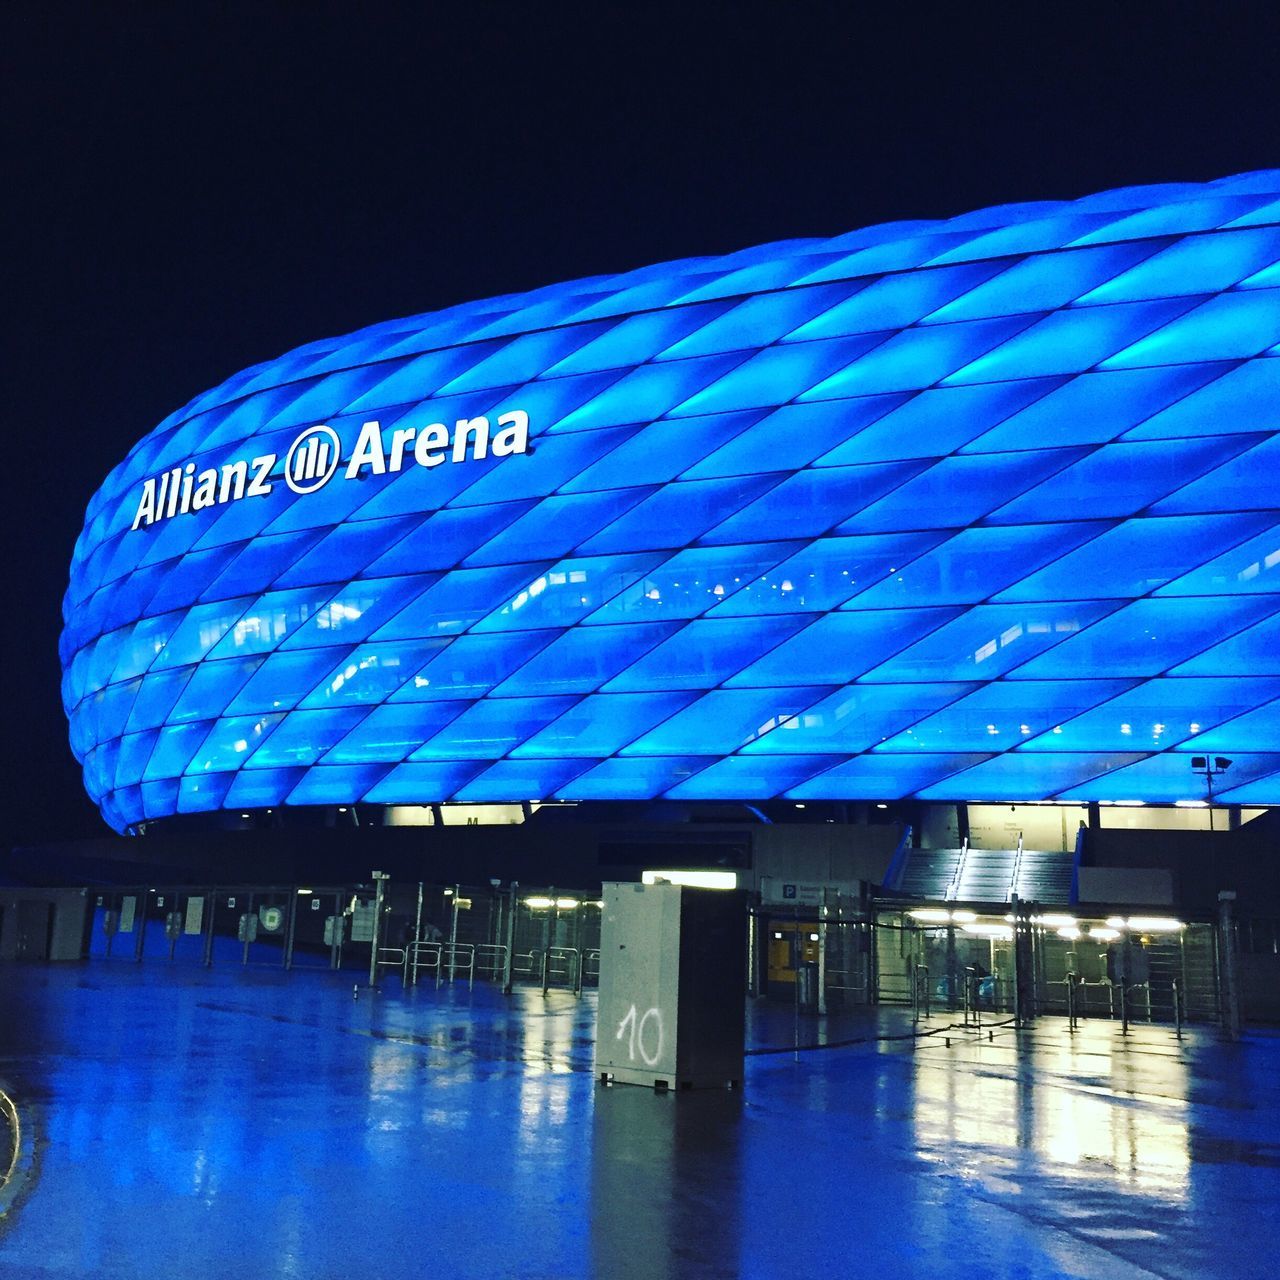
(985, 875)
(1044, 877)
(928, 874)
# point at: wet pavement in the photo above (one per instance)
(260, 1124)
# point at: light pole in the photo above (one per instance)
(1209, 767)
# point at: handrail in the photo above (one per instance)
(1017, 869)
(954, 887)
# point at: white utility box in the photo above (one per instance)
(672, 1011)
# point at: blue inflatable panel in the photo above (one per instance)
(977, 509)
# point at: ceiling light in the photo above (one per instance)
(693, 879)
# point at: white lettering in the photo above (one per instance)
(315, 455)
(514, 434)
(147, 506)
(175, 484)
(399, 439)
(261, 486)
(206, 490)
(234, 475)
(368, 452)
(477, 427)
(431, 444)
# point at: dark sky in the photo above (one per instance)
(191, 189)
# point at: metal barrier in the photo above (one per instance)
(881, 955)
(1104, 995)
(972, 1005)
(491, 959)
(920, 992)
(457, 956)
(392, 958)
(1002, 992)
(854, 982)
(581, 968)
(1143, 990)
(1122, 994)
(568, 960)
(424, 955)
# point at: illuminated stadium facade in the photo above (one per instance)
(981, 509)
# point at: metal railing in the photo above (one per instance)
(392, 958)
(456, 957)
(490, 959)
(560, 962)
(877, 955)
(854, 981)
(971, 1001)
(1073, 1015)
(920, 1005)
(423, 954)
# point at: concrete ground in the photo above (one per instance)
(250, 1123)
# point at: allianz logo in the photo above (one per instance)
(315, 457)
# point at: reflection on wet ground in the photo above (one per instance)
(260, 1125)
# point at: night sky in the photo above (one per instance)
(189, 189)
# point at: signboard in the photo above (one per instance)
(315, 457)
(791, 892)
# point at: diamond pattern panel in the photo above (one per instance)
(974, 509)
